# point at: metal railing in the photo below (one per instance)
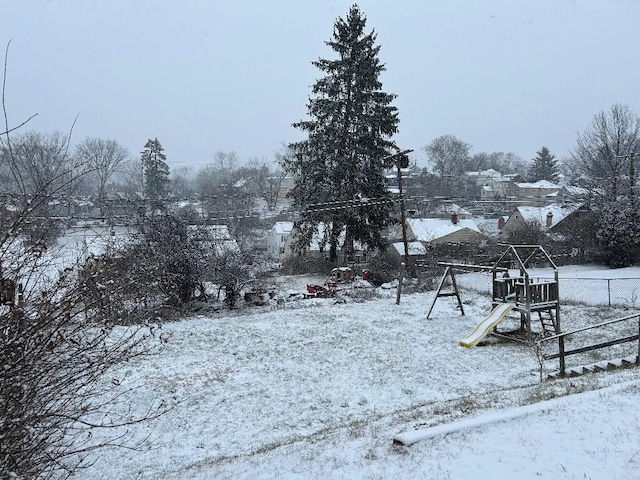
(616, 340)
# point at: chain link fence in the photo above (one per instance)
(584, 291)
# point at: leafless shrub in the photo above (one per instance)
(59, 353)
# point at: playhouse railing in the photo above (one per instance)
(513, 290)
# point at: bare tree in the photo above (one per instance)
(225, 165)
(605, 151)
(130, 179)
(182, 182)
(448, 154)
(500, 161)
(39, 163)
(59, 347)
(266, 182)
(104, 158)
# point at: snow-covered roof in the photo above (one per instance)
(453, 208)
(573, 190)
(484, 173)
(283, 228)
(414, 248)
(429, 229)
(539, 214)
(539, 184)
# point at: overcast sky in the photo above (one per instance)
(205, 76)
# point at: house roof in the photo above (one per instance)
(414, 248)
(429, 229)
(573, 190)
(539, 184)
(484, 173)
(539, 214)
(453, 208)
(283, 227)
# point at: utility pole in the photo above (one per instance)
(401, 161)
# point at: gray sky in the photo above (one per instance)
(205, 76)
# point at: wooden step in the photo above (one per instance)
(607, 365)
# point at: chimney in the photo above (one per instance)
(549, 219)
(454, 218)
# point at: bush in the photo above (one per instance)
(383, 267)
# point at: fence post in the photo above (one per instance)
(561, 357)
(400, 280)
(609, 290)
(638, 356)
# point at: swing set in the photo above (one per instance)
(520, 293)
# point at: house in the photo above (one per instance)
(500, 187)
(277, 238)
(482, 177)
(433, 231)
(537, 193)
(547, 217)
(570, 195)
(414, 249)
(423, 233)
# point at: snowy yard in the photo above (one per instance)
(314, 389)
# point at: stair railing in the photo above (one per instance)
(563, 353)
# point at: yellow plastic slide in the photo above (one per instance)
(484, 328)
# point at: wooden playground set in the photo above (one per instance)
(534, 300)
(522, 293)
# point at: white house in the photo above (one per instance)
(277, 238)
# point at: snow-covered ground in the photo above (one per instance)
(315, 389)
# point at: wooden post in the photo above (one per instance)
(561, 356)
(403, 217)
(638, 357)
(400, 280)
(455, 290)
(450, 272)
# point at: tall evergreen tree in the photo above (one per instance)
(155, 171)
(544, 166)
(351, 122)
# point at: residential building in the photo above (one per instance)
(277, 238)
